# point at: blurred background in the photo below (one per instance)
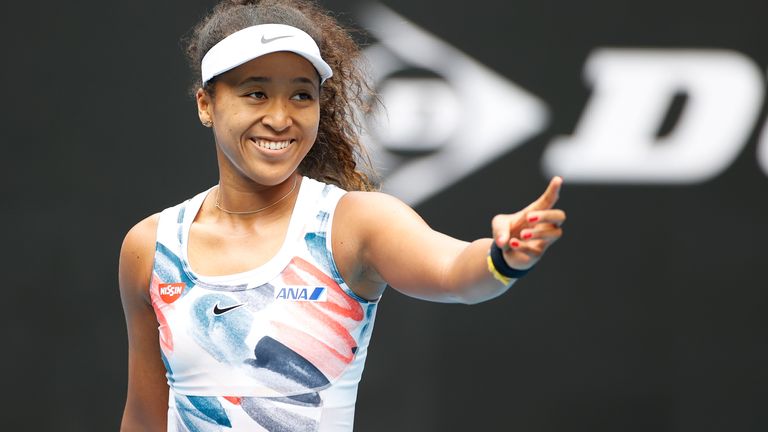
(649, 315)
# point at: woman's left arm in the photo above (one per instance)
(395, 246)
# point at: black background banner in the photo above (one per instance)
(649, 315)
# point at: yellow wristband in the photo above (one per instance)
(500, 277)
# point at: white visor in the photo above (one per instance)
(252, 42)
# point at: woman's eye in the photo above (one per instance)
(257, 95)
(302, 96)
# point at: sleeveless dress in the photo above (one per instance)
(278, 348)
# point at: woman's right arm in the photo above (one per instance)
(146, 406)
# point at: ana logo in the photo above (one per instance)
(302, 293)
(170, 292)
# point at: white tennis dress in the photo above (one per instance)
(277, 348)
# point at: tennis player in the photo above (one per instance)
(250, 305)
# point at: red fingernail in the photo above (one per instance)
(527, 235)
(533, 219)
(514, 243)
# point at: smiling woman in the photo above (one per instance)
(308, 31)
(265, 119)
(250, 306)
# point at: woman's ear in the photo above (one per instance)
(203, 100)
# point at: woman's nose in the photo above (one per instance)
(278, 116)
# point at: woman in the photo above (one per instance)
(250, 306)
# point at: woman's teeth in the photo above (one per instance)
(272, 145)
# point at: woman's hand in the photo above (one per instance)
(525, 236)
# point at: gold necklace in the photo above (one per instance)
(218, 205)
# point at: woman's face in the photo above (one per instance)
(265, 116)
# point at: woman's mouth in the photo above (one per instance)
(271, 145)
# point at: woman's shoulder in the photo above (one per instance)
(137, 254)
(364, 204)
(143, 232)
(370, 215)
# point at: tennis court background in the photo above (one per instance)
(647, 316)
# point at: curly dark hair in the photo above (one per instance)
(344, 98)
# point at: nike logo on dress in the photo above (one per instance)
(266, 40)
(217, 311)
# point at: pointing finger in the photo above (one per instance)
(549, 197)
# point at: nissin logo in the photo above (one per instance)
(302, 293)
(170, 292)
